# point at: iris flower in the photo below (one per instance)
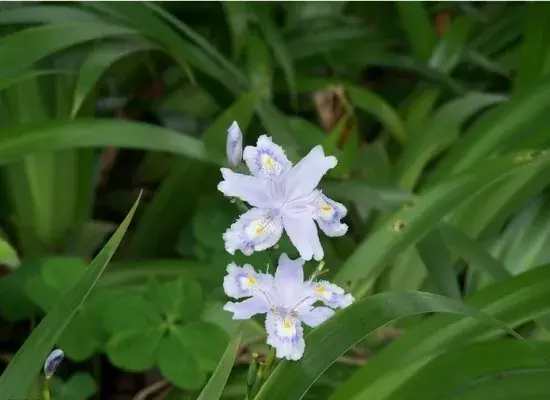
(287, 300)
(283, 197)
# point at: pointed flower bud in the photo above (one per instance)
(234, 147)
(52, 362)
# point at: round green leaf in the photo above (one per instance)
(130, 311)
(206, 341)
(211, 221)
(178, 364)
(80, 338)
(79, 386)
(179, 299)
(135, 350)
(62, 272)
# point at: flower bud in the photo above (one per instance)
(234, 146)
(52, 362)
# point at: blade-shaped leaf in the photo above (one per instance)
(214, 388)
(22, 140)
(290, 380)
(42, 41)
(20, 373)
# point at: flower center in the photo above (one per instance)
(267, 161)
(247, 281)
(320, 290)
(287, 327)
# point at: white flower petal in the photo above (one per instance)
(304, 177)
(255, 230)
(316, 316)
(247, 308)
(245, 187)
(239, 282)
(289, 270)
(303, 234)
(332, 295)
(285, 334)
(328, 214)
(266, 159)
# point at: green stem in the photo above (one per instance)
(46, 393)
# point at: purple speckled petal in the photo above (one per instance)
(304, 177)
(285, 334)
(239, 281)
(332, 295)
(266, 159)
(255, 230)
(328, 215)
(245, 187)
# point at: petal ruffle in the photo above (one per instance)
(332, 295)
(285, 334)
(255, 230)
(266, 159)
(328, 215)
(239, 281)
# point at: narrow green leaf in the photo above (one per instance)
(409, 225)
(448, 51)
(237, 19)
(291, 379)
(198, 39)
(21, 372)
(43, 41)
(271, 32)
(23, 140)
(143, 19)
(513, 301)
(416, 23)
(378, 107)
(534, 49)
(159, 226)
(260, 66)
(473, 253)
(442, 129)
(468, 363)
(528, 385)
(46, 14)
(439, 264)
(98, 62)
(494, 129)
(216, 384)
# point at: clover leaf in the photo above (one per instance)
(84, 333)
(162, 327)
(79, 386)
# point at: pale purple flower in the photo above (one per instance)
(287, 300)
(283, 197)
(234, 144)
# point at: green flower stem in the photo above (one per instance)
(46, 392)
